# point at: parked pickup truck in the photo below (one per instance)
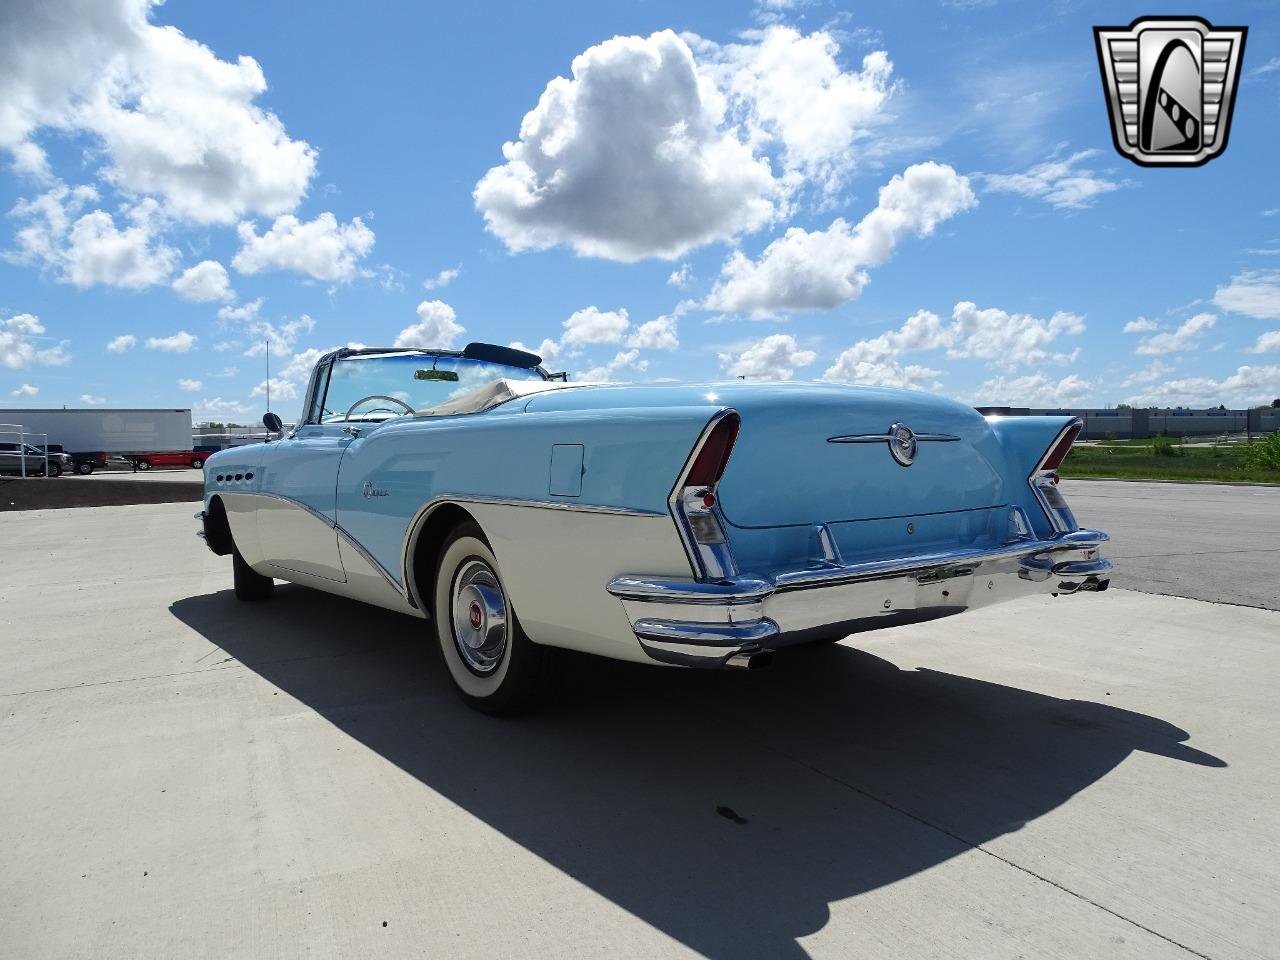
(20, 458)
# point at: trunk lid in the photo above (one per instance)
(784, 470)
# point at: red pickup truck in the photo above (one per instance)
(180, 458)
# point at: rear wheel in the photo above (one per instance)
(196, 463)
(249, 584)
(143, 464)
(494, 666)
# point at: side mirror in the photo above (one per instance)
(273, 423)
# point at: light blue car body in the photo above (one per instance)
(595, 470)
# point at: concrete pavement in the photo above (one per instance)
(189, 776)
(1203, 540)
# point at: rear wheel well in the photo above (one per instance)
(217, 531)
(426, 549)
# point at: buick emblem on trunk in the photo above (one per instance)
(902, 444)
(902, 440)
(1171, 85)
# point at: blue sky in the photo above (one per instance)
(919, 194)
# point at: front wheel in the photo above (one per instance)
(84, 469)
(143, 464)
(494, 666)
(55, 470)
(196, 463)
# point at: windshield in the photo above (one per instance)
(415, 380)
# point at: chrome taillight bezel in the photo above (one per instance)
(1044, 482)
(695, 509)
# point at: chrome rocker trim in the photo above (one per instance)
(701, 623)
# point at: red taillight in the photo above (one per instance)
(1061, 449)
(714, 455)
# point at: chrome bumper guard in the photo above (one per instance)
(714, 623)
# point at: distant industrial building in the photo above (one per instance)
(1124, 423)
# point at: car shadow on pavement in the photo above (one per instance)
(727, 809)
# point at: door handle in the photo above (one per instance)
(351, 430)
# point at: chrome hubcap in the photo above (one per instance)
(479, 610)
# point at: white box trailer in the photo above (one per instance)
(108, 430)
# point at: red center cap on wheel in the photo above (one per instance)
(477, 617)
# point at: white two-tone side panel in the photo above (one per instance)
(242, 517)
(556, 565)
(277, 549)
(367, 582)
(295, 538)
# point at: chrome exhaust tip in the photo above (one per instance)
(756, 660)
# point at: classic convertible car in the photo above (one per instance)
(696, 525)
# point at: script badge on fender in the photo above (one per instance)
(1170, 84)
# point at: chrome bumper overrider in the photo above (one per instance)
(709, 623)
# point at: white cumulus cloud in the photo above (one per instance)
(789, 90)
(87, 249)
(1186, 337)
(25, 390)
(657, 334)
(442, 279)
(548, 350)
(1255, 294)
(279, 338)
(875, 361)
(1009, 340)
(172, 119)
(776, 357)
(1268, 342)
(820, 270)
(437, 326)
(1247, 387)
(194, 386)
(1141, 325)
(279, 389)
(624, 359)
(303, 362)
(1152, 372)
(206, 282)
(630, 158)
(591, 325)
(180, 342)
(21, 337)
(1003, 339)
(321, 248)
(245, 313)
(91, 400)
(1034, 390)
(121, 343)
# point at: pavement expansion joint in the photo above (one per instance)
(924, 821)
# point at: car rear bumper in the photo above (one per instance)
(694, 623)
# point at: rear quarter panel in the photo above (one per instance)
(557, 552)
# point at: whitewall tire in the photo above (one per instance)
(494, 667)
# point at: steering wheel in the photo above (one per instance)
(377, 396)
